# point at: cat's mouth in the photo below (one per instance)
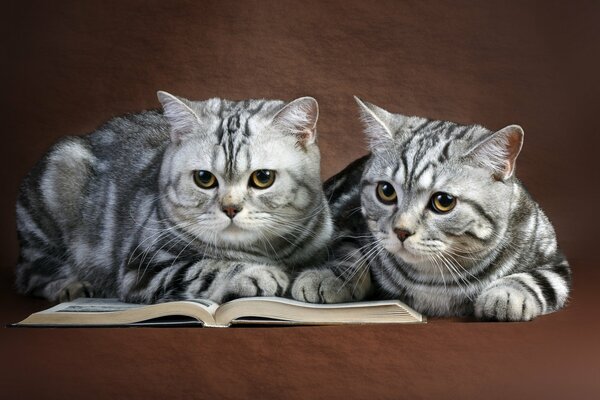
(410, 253)
(237, 235)
(233, 228)
(409, 256)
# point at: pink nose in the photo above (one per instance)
(402, 234)
(231, 211)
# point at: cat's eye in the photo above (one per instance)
(386, 193)
(262, 178)
(442, 202)
(205, 179)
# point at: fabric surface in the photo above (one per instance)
(68, 66)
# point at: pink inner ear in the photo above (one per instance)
(508, 167)
(303, 138)
(299, 118)
(513, 147)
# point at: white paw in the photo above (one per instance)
(321, 286)
(506, 303)
(257, 280)
(75, 290)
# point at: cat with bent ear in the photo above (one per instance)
(435, 217)
(209, 199)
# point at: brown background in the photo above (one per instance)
(68, 66)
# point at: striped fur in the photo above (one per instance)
(495, 255)
(117, 212)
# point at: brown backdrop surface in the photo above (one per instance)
(68, 66)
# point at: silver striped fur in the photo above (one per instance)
(494, 256)
(117, 212)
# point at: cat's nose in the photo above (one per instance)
(402, 234)
(232, 210)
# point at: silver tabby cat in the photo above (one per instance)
(437, 217)
(215, 199)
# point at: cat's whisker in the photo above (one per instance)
(320, 208)
(465, 255)
(353, 211)
(366, 268)
(270, 245)
(158, 236)
(452, 274)
(176, 239)
(355, 252)
(294, 227)
(363, 260)
(276, 234)
(372, 254)
(173, 241)
(458, 278)
(435, 262)
(299, 228)
(152, 200)
(458, 264)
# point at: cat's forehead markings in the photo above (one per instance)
(230, 127)
(233, 124)
(232, 138)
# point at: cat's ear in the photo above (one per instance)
(181, 117)
(299, 117)
(499, 151)
(377, 124)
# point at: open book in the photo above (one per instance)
(248, 310)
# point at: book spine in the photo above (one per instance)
(215, 326)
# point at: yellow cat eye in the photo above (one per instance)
(386, 193)
(262, 178)
(442, 202)
(205, 179)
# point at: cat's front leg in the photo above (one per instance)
(248, 280)
(218, 280)
(516, 297)
(346, 278)
(320, 286)
(323, 286)
(525, 295)
(507, 300)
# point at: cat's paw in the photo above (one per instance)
(506, 303)
(257, 280)
(321, 286)
(75, 290)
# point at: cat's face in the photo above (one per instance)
(437, 192)
(238, 173)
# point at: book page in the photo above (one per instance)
(98, 311)
(276, 310)
(93, 305)
(250, 310)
